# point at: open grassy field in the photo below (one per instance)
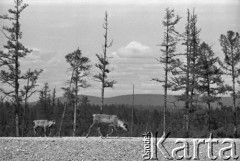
(93, 148)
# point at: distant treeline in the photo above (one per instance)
(143, 120)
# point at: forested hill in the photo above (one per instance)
(147, 100)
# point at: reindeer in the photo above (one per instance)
(42, 123)
(110, 120)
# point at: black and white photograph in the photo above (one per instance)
(127, 80)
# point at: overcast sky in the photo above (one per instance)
(54, 28)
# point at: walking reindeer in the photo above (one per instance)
(42, 123)
(110, 120)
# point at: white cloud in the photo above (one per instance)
(135, 50)
(134, 63)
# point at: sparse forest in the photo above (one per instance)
(197, 73)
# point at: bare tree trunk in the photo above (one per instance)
(193, 67)
(24, 108)
(17, 124)
(208, 102)
(16, 75)
(234, 106)
(165, 89)
(24, 116)
(132, 113)
(209, 117)
(187, 81)
(209, 110)
(63, 115)
(102, 97)
(74, 119)
(23, 122)
(234, 96)
(75, 105)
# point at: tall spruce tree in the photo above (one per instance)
(231, 48)
(184, 71)
(194, 55)
(168, 49)
(27, 91)
(80, 69)
(210, 82)
(103, 64)
(11, 74)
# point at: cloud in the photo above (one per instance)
(135, 50)
(134, 63)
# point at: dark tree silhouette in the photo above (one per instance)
(80, 69)
(27, 91)
(210, 82)
(231, 48)
(184, 72)
(10, 59)
(104, 63)
(169, 46)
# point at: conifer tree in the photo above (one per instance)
(210, 82)
(231, 48)
(169, 46)
(28, 90)
(184, 71)
(11, 58)
(103, 64)
(80, 69)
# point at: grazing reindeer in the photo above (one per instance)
(42, 123)
(110, 120)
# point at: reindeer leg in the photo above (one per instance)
(116, 131)
(44, 131)
(100, 132)
(110, 132)
(89, 130)
(34, 131)
(50, 132)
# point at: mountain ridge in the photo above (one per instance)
(145, 100)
